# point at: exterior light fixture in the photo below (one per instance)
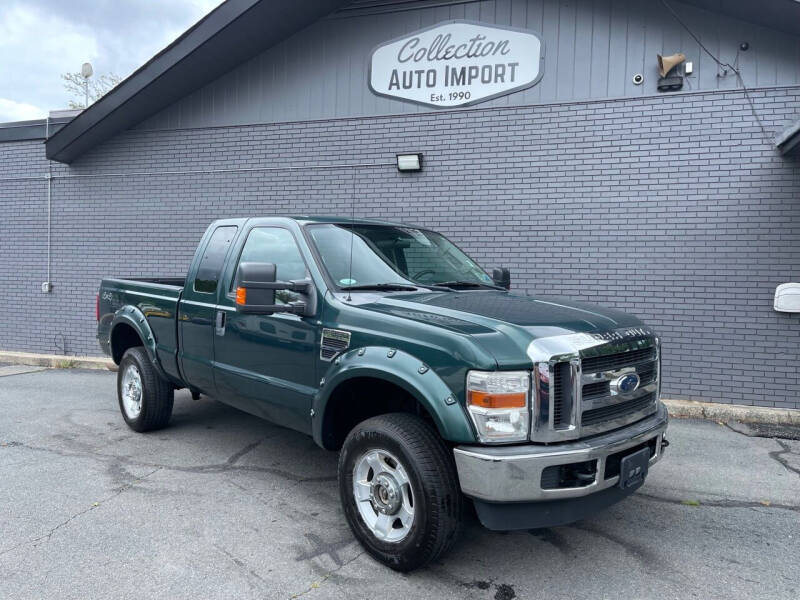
(409, 162)
(86, 72)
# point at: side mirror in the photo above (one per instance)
(502, 277)
(256, 287)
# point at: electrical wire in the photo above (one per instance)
(725, 66)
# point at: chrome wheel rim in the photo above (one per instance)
(383, 495)
(132, 391)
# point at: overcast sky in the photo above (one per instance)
(40, 39)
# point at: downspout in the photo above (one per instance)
(47, 286)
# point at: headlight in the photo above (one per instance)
(497, 402)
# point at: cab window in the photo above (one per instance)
(213, 258)
(275, 245)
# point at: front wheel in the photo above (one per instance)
(399, 491)
(145, 398)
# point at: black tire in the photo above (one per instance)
(437, 499)
(157, 394)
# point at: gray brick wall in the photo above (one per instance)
(673, 208)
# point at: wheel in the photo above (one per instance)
(145, 398)
(399, 490)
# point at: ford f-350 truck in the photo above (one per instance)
(387, 342)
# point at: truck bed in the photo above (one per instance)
(168, 281)
(157, 298)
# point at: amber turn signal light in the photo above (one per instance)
(241, 296)
(487, 400)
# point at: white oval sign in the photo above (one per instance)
(456, 63)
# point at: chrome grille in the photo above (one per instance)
(599, 415)
(595, 390)
(603, 406)
(647, 373)
(612, 362)
(579, 382)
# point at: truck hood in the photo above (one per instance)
(503, 323)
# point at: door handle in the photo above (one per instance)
(219, 327)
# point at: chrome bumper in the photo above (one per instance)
(514, 473)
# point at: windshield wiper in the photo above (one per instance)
(456, 284)
(398, 287)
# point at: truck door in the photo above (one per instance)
(197, 309)
(265, 364)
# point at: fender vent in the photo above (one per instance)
(333, 342)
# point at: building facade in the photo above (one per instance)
(680, 206)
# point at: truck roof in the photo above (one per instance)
(309, 219)
(305, 219)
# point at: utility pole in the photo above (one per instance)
(86, 72)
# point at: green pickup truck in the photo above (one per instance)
(439, 387)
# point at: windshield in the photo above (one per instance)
(384, 254)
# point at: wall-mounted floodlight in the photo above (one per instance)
(409, 162)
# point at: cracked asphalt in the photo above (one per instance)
(223, 505)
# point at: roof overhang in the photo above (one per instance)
(240, 29)
(783, 15)
(37, 129)
(788, 142)
(229, 35)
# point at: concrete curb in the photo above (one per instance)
(56, 361)
(690, 409)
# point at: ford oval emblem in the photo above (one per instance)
(628, 383)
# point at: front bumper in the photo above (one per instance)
(513, 474)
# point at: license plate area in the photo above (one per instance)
(633, 468)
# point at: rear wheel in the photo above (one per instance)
(399, 490)
(145, 398)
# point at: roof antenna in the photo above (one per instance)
(352, 231)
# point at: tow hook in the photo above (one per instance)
(664, 444)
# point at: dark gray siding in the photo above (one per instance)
(593, 49)
(673, 208)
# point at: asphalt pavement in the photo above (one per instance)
(223, 505)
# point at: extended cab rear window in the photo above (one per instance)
(213, 258)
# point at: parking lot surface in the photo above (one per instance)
(223, 505)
